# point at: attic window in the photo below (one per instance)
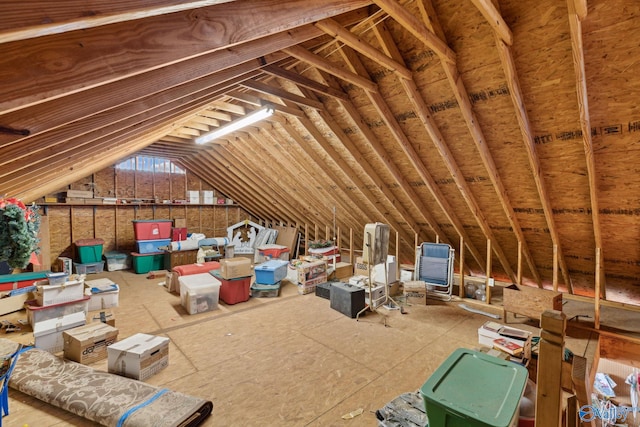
(150, 164)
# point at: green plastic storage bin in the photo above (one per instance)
(144, 263)
(473, 389)
(89, 250)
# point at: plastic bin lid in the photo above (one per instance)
(89, 242)
(477, 386)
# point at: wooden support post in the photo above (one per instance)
(351, 258)
(415, 240)
(581, 381)
(339, 241)
(487, 288)
(550, 356)
(461, 290)
(519, 273)
(316, 232)
(572, 412)
(437, 239)
(306, 238)
(327, 233)
(397, 255)
(596, 297)
(555, 268)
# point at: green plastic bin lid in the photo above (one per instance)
(477, 386)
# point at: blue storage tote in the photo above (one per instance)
(271, 272)
(473, 389)
(151, 246)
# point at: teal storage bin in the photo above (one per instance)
(144, 263)
(89, 250)
(473, 389)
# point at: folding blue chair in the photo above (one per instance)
(434, 265)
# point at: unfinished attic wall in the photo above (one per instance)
(91, 218)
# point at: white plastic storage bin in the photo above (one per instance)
(139, 356)
(104, 294)
(72, 290)
(117, 261)
(199, 292)
(48, 334)
(37, 314)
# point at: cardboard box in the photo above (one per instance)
(139, 357)
(193, 197)
(10, 302)
(48, 333)
(206, 196)
(86, 194)
(343, 271)
(312, 273)
(233, 268)
(362, 269)
(88, 343)
(415, 292)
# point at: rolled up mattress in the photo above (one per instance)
(107, 399)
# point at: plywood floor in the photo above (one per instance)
(286, 361)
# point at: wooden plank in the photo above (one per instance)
(280, 93)
(580, 378)
(550, 357)
(305, 82)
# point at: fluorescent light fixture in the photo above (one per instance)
(247, 120)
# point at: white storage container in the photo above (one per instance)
(104, 294)
(48, 334)
(199, 292)
(139, 356)
(37, 314)
(72, 290)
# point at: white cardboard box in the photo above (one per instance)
(199, 292)
(206, 197)
(48, 333)
(104, 294)
(139, 357)
(193, 197)
(71, 290)
(362, 269)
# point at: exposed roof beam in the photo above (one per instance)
(477, 135)
(305, 82)
(28, 19)
(280, 93)
(334, 29)
(72, 52)
(517, 98)
(494, 18)
(415, 27)
(304, 55)
(422, 110)
(307, 187)
(585, 124)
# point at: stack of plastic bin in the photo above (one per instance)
(89, 256)
(152, 236)
(268, 277)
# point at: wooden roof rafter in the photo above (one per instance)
(418, 29)
(577, 12)
(378, 102)
(331, 183)
(309, 187)
(517, 98)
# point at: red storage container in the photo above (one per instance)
(152, 229)
(178, 234)
(233, 291)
